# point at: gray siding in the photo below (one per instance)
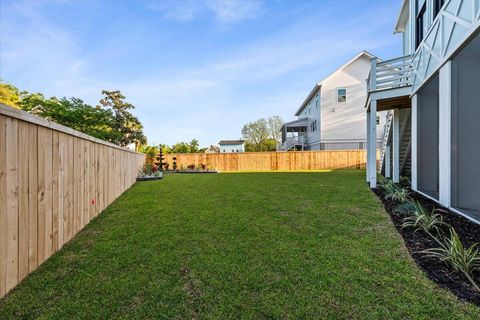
(466, 128)
(427, 140)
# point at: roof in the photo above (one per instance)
(231, 142)
(316, 88)
(402, 18)
(303, 122)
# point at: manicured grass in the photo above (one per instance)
(237, 246)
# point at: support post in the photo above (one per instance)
(372, 136)
(396, 145)
(414, 143)
(444, 133)
(388, 173)
(368, 147)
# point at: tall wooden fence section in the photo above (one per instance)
(272, 161)
(53, 181)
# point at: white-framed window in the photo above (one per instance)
(378, 120)
(341, 95)
(313, 126)
(316, 101)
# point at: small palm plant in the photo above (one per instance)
(466, 261)
(396, 193)
(408, 207)
(422, 219)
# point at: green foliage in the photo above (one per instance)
(9, 95)
(150, 151)
(407, 207)
(126, 126)
(262, 134)
(395, 192)
(421, 219)
(466, 261)
(236, 246)
(110, 121)
(183, 147)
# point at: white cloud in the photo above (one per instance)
(225, 11)
(234, 10)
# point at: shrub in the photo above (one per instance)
(421, 219)
(191, 166)
(204, 166)
(396, 193)
(147, 169)
(408, 207)
(452, 252)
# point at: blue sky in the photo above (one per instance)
(193, 68)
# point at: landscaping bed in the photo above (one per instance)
(437, 270)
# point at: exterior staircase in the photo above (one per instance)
(405, 142)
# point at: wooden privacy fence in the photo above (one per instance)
(272, 161)
(53, 181)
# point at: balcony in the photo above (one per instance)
(390, 74)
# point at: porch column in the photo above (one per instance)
(388, 173)
(414, 143)
(396, 145)
(444, 133)
(372, 136)
(368, 147)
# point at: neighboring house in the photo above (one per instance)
(213, 149)
(432, 95)
(228, 146)
(332, 117)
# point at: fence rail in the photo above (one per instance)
(273, 161)
(53, 181)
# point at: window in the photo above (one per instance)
(316, 101)
(420, 22)
(341, 95)
(378, 120)
(309, 111)
(313, 126)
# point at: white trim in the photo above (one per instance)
(368, 146)
(465, 215)
(444, 133)
(414, 153)
(372, 136)
(396, 145)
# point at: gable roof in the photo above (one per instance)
(316, 88)
(230, 142)
(402, 18)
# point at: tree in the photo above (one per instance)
(125, 123)
(256, 133)
(9, 95)
(262, 134)
(73, 113)
(150, 151)
(275, 124)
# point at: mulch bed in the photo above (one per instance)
(436, 270)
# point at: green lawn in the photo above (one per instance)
(237, 246)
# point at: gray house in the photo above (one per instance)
(332, 116)
(431, 94)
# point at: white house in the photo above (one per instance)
(229, 146)
(432, 95)
(332, 116)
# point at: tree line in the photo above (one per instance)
(110, 120)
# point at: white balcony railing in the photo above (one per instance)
(390, 74)
(293, 141)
